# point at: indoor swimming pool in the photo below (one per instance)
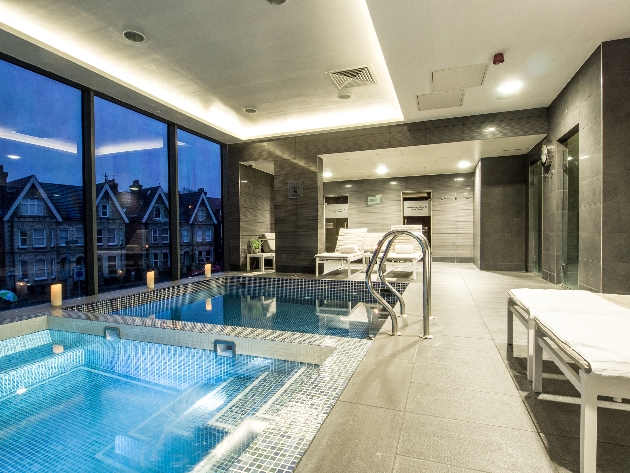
(77, 402)
(338, 308)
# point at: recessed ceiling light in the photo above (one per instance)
(243, 181)
(459, 178)
(344, 94)
(348, 185)
(394, 182)
(381, 169)
(569, 158)
(327, 174)
(13, 156)
(490, 129)
(509, 89)
(463, 164)
(250, 110)
(134, 36)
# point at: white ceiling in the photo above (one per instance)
(211, 58)
(443, 158)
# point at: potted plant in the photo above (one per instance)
(254, 244)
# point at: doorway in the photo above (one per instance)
(417, 211)
(569, 152)
(537, 216)
(335, 218)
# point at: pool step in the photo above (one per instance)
(201, 418)
(42, 364)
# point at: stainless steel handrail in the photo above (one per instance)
(389, 238)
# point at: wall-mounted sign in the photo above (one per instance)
(416, 208)
(336, 211)
(295, 189)
(373, 200)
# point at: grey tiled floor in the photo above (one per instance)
(461, 401)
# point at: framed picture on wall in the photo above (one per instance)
(373, 200)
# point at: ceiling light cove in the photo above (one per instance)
(208, 97)
(381, 169)
(509, 89)
(463, 164)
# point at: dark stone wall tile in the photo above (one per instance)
(445, 134)
(615, 277)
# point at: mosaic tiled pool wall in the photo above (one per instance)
(293, 424)
(272, 287)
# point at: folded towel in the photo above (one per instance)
(403, 249)
(348, 250)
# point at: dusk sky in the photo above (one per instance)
(40, 127)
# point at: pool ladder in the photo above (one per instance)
(389, 238)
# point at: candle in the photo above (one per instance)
(208, 269)
(55, 295)
(150, 279)
(208, 304)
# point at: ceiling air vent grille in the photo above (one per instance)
(352, 77)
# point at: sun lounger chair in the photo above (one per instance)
(349, 248)
(595, 341)
(522, 303)
(406, 249)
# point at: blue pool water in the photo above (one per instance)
(246, 307)
(120, 405)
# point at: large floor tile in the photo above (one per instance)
(471, 445)
(399, 348)
(413, 465)
(565, 454)
(380, 382)
(465, 377)
(462, 343)
(354, 439)
(472, 406)
(484, 360)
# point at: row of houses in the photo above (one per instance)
(42, 234)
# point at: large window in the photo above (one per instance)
(199, 198)
(132, 161)
(40, 179)
(41, 190)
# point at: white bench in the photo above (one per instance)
(523, 304)
(598, 343)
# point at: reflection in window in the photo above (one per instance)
(199, 200)
(32, 207)
(23, 237)
(99, 236)
(132, 176)
(39, 237)
(79, 236)
(39, 270)
(63, 236)
(40, 177)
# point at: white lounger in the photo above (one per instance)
(598, 342)
(350, 245)
(524, 303)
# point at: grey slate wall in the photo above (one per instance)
(503, 213)
(579, 103)
(615, 130)
(299, 224)
(451, 219)
(257, 205)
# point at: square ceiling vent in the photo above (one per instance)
(458, 78)
(449, 99)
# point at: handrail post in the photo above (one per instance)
(426, 279)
